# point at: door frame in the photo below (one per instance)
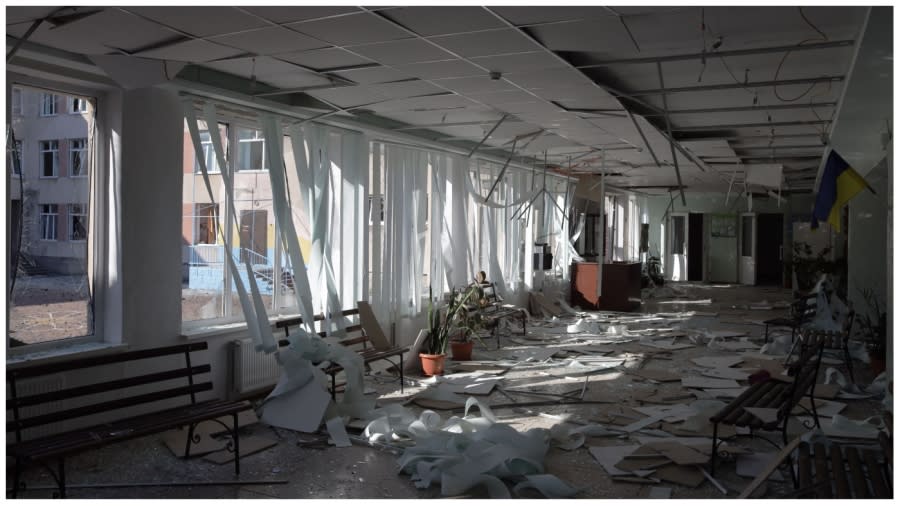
(670, 254)
(747, 268)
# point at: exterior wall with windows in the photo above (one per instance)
(52, 137)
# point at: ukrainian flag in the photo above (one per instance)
(838, 185)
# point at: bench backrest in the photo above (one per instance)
(353, 335)
(158, 386)
(805, 370)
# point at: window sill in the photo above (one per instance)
(63, 352)
(225, 329)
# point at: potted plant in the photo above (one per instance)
(874, 331)
(443, 323)
(470, 321)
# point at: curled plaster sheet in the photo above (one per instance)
(842, 426)
(548, 485)
(722, 344)
(460, 453)
(779, 346)
(471, 383)
(338, 432)
(848, 390)
(570, 439)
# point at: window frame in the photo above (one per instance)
(49, 212)
(43, 110)
(19, 150)
(70, 221)
(42, 161)
(238, 143)
(102, 337)
(84, 158)
(72, 101)
(225, 218)
(16, 101)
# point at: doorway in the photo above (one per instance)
(253, 236)
(678, 244)
(695, 247)
(769, 249)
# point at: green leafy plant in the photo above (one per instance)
(874, 328)
(808, 267)
(454, 319)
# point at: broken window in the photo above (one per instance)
(78, 226)
(49, 151)
(78, 157)
(77, 105)
(51, 298)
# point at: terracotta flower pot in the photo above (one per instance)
(462, 350)
(432, 365)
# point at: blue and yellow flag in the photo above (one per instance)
(838, 185)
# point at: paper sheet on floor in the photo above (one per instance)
(752, 464)
(842, 426)
(467, 383)
(717, 362)
(701, 382)
(338, 432)
(609, 456)
(732, 374)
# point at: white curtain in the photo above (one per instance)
(403, 251)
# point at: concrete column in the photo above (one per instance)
(151, 180)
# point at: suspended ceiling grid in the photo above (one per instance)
(591, 87)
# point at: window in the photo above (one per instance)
(209, 154)
(78, 225)
(14, 158)
(251, 150)
(77, 105)
(16, 98)
(49, 151)
(78, 157)
(48, 104)
(248, 213)
(51, 300)
(49, 214)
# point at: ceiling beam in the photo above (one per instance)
(720, 54)
(753, 108)
(773, 124)
(662, 85)
(732, 86)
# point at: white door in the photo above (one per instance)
(678, 226)
(748, 249)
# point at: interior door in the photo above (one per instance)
(678, 243)
(748, 249)
(769, 249)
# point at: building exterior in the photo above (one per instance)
(51, 184)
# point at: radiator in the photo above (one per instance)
(33, 386)
(252, 370)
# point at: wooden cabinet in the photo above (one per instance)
(621, 286)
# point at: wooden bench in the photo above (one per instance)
(837, 471)
(175, 382)
(776, 394)
(493, 310)
(353, 336)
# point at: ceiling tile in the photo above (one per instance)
(101, 32)
(547, 14)
(428, 21)
(201, 21)
(268, 41)
(321, 59)
(21, 13)
(402, 51)
(271, 71)
(475, 84)
(559, 78)
(487, 43)
(193, 50)
(359, 28)
(502, 97)
(372, 75)
(605, 37)
(290, 14)
(520, 62)
(441, 69)
(351, 96)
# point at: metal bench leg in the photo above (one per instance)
(812, 402)
(333, 388)
(849, 361)
(237, 445)
(767, 334)
(190, 438)
(401, 373)
(62, 478)
(17, 477)
(712, 457)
